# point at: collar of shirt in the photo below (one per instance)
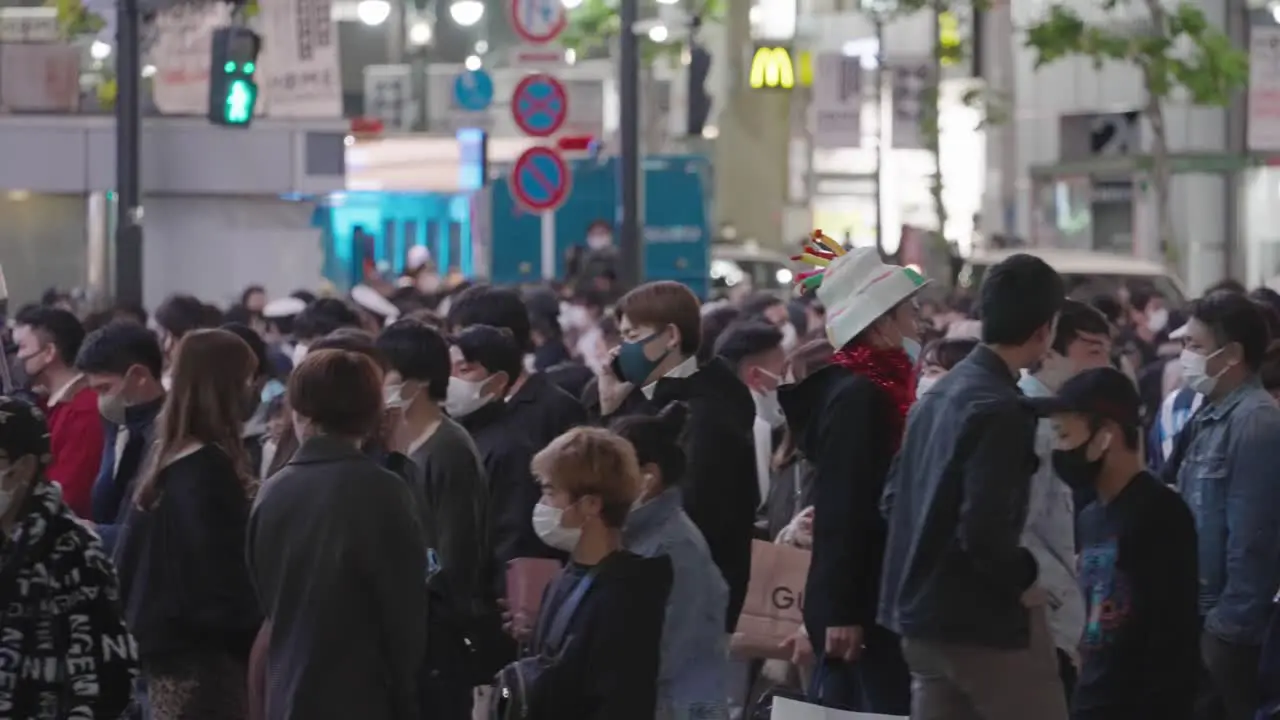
(64, 393)
(987, 359)
(423, 438)
(1031, 386)
(683, 370)
(1214, 411)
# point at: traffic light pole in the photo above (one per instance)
(631, 251)
(128, 250)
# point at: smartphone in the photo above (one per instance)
(615, 367)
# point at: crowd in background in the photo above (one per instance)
(329, 506)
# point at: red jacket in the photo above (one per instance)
(75, 438)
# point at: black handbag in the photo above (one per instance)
(512, 684)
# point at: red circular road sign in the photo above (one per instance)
(540, 180)
(537, 21)
(539, 105)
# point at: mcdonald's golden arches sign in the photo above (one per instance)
(772, 68)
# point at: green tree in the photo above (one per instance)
(952, 46)
(74, 20)
(1179, 54)
(593, 25)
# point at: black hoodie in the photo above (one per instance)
(720, 488)
(607, 667)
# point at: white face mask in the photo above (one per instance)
(465, 397)
(546, 523)
(926, 384)
(768, 408)
(1195, 371)
(299, 352)
(393, 397)
(789, 338)
(1157, 320)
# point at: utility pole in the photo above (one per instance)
(630, 246)
(128, 257)
(878, 19)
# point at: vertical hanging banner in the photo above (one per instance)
(181, 54)
(300, 68)
(837, 101)
(388, 95)
(910, 83)
(1264, 88)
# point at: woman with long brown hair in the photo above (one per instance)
(184, 581)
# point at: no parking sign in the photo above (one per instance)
(540, 180)
(539, 105)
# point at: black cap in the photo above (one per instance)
(1102, 392)
(23, 430)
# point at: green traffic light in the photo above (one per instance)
(229, 67)
(248, 68)
(238, 108)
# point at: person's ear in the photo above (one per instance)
(497, 384)
(589, 506)
(1101, 442)
(650, 477)
(673, 344)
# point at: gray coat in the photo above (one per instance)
(336, 555)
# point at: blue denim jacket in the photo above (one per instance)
(1230, 477)
(694, 670)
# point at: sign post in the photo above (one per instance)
(540, 179)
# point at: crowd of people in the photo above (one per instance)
(543, 503)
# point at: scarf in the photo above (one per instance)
(891, 370)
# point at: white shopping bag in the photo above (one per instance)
(786, 709)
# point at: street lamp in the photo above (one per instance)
(420, 33)
(466, 12)
(373, 12)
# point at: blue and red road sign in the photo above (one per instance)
(539, 105)
(537, 21)
(540, 180)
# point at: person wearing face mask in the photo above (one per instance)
(184, 584)
(536, 408)
(336, 556)
(485, 360)
(692, 679)
(772, 309)
(1082, 342)
(958, 585)
(596, 647)
(656, 364)
(1223, 462)
(47, 349)
(450, 479)
(178, 315)
(122, 363)
(55, 582)
(1139, 649)
(255, 434)
(754, 350)
(938, 358)
(847, 419)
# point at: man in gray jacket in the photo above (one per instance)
(958, 586)
(1082, 342)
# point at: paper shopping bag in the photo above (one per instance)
(775, 601)
(785, 709)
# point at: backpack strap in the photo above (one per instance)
(559, 624)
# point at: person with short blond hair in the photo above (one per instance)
(606, 598)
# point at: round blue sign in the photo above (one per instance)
(473, 90)
(540, 179)
(539, 105)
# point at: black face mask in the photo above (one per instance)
(1074, 466)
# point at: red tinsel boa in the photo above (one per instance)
(891, 370)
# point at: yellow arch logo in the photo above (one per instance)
(771, 68)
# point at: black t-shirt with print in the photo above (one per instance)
(1139, 650)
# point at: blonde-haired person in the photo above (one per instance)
(184, 582)
(597, 639)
